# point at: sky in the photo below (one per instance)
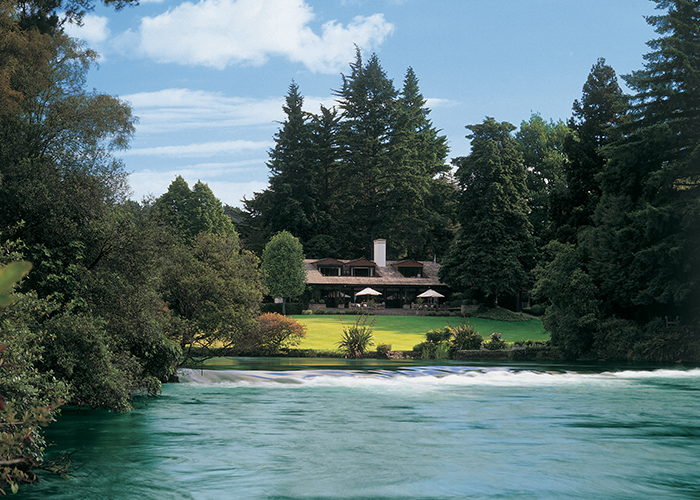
(207, 79)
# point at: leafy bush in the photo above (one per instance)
(466, 338)
(495, 343)
(536, 310)
(383, 349)
(356, 338)
(532, 343)
(307, 312)
(437, 344)
(498, 314)
(436, 336)
(274, 332)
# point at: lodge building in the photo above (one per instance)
(336, 282)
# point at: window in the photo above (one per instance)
(329, 271)
(362, 271)
(411, 272)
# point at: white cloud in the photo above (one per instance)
(148, 183)
(200, 149)
(220, 33)
(171, 110)
(94, 30)
(435, 102)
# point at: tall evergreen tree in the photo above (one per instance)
(595, 117)
(644, 248)
(367, 103)
(325, 158)
(494, 251)
(417, 154)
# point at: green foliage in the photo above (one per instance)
(601, 108)
(445, 342)
(494, 250)
(290, 308)
(495, 343)
(383, 349)
(28, 398)
(377, 168)
(572, 315)
(535, 310)
(497, 314)
(631, 211)
(465, 338)
(541, 145)
(356, 338)
(283, 268)
(307, 312)
(214, 290)
(273, 333)
(192, 212)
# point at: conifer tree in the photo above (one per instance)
(367, 104)
(644, 248)
(493, 252)
(417, 159)
(595, 117)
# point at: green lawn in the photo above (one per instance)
(403, 332)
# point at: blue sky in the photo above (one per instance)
(207, 78)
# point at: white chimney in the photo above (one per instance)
(380, 252)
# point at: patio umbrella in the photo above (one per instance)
(368, 291)
(430, 293)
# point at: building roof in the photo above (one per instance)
(387, 276)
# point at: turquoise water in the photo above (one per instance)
(373, 432)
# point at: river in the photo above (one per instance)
(337, 430)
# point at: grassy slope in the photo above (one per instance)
(403, 332)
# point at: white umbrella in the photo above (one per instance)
(368, 291)
(430, 293)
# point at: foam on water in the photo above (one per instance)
(430, 377)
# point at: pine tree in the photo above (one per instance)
(494, 251)
(644, 248)
(367, 103)
(601, 108)
(417, 159)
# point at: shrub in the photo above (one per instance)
(498, 314)
(274, 332)
(307, 312)
(436, 336)
(536, 310)
(356, 338)
(383, 349)
(466, 338)
(495, 343)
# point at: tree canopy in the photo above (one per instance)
(374, 167)
(283, 267)
(493, 252)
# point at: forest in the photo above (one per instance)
(596, 217)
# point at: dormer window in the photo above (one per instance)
(362, 267)
(411, 272)
(362, 271)
(329, 270)
(410, 269)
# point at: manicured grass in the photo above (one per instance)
(403, 332)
